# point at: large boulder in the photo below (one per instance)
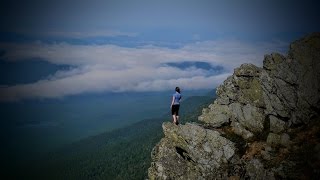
(216, 115)
(190, 152)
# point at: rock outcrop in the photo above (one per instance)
(254, 125)
(190, 151)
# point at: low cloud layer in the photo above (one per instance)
(101, 68)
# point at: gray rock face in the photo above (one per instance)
(255, 104)
(255, 170)
(286, 88)
(190, 152)
(216, 115)
(295, 80)
(276, 125)
(242, 99)
(248, 116)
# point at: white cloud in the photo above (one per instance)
(113, 68)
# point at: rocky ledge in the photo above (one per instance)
(264, 124)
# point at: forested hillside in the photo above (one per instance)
(120, 154)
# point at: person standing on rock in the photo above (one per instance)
(175, 105)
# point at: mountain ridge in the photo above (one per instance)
(263, 124)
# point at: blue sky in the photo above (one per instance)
(122, 45)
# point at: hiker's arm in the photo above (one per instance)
(172, 101)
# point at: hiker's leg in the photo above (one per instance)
(177, 115)
(174, 118)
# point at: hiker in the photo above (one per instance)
(175, 105)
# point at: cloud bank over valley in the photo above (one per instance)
(114, 68)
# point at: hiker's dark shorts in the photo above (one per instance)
(175, 109)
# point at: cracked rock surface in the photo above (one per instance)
(191, 151)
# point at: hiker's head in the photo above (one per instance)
(178, 89)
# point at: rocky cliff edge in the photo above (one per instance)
(264, 124)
